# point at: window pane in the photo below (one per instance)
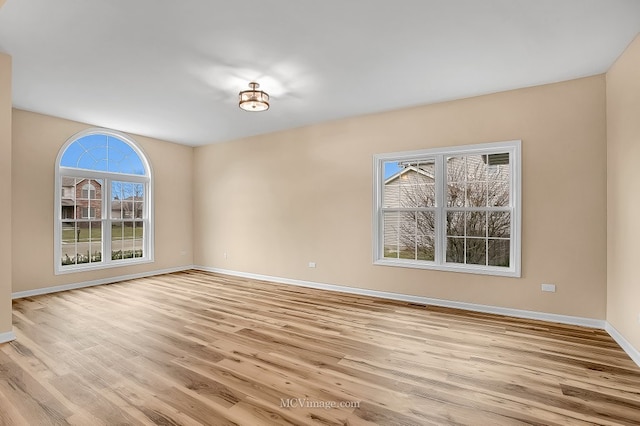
(88, 194)
(391, 234)
(425, 238)
(96, 209)
(69, 235)
(117, 230)
(68, 197)
(456, 169)
(138, 241)
(116, 208)
(95, 242)
(116, 240)
(127, 209)
(498, 166)
(102, 153)
(476, 251)
(127, 200)
(91, 187)
(456, 194)
(428, 169)
(86, 191)
(123, 159)
(455, 223)
(476, 168)
(476, 195)
(82, 233)
(498, 193)
(425, 248)
(499, 224)
(407, 244)
(391, 191)
(138, 210)
(455, 250)
(83, 230)
(127, 240)
(391, 195)
(476, 224)
(425, 223)
(408, 196)
(499, 252)
(417, 184)
(407, 251)
(426, 195)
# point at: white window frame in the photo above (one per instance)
(106, 178)
(439, 155)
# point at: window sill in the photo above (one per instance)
(98, 266)
(466, 269)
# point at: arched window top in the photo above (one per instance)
(104, 152)
(103, 202)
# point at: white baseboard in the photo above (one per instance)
(110, 280)
(7, 337)
(518, 313)
(633, 353)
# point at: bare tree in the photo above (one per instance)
(473, 237)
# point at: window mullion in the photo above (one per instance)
(106, 222)
(440, 221)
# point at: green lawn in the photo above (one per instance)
(68, 235)
(408, 254)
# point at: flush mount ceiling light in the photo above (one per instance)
(253, 99)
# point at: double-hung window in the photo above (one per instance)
(453, 209)
(103, 211)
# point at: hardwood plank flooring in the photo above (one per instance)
(195, 348)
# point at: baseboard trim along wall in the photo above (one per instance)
(110, 280)
(518, 313)
(624, 343)
(7, 337)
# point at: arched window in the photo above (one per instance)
(89, 191)
(103, 203)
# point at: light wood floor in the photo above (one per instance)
(199, 348)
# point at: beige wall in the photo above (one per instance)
(275, 202)
(623, 152)
(5, 193)
(36, 141)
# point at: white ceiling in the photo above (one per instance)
(173, 69)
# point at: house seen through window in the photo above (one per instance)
(103, 203)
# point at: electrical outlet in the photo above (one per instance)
(549, 287)
(312, 264)
(225, 255)
(639, 318)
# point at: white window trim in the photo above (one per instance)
(439, 263)
(106, 177)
